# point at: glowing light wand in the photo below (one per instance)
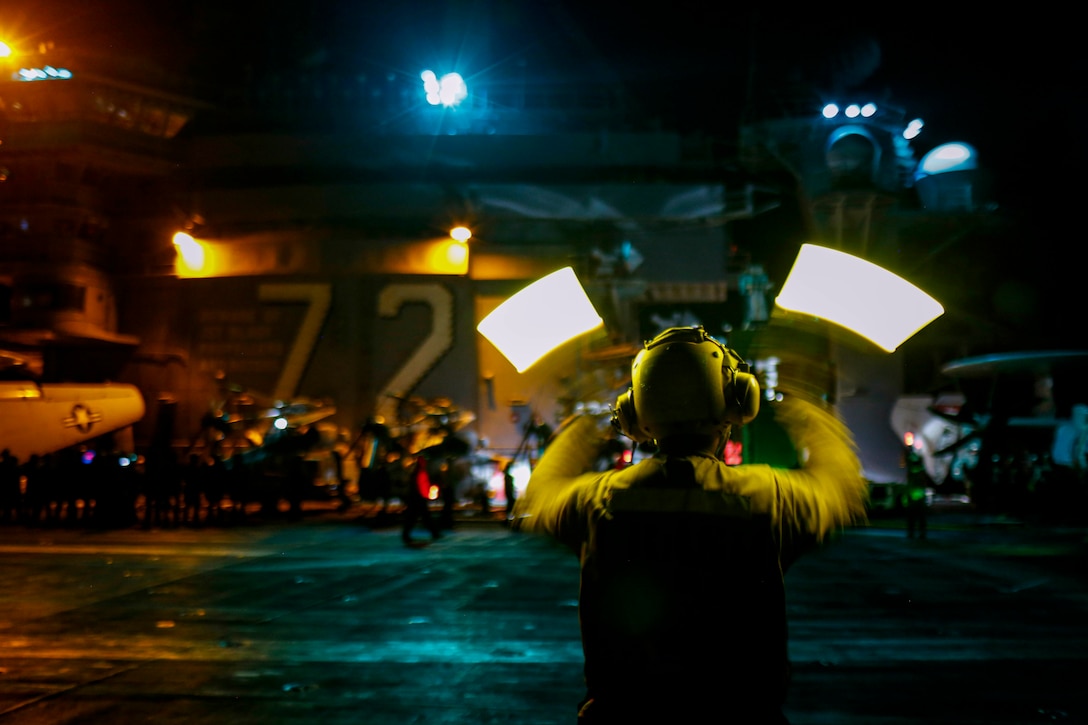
(540, 318)
(857, 295)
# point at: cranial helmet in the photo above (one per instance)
(684, 382)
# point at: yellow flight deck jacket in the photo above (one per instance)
(692, 608)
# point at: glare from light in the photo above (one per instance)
(541, 317)
(853, 110)
(445, 256)
(190, 253)
(857, 295)
(5, 50)
(520, 469)
(280, 423)
(913, 128)
(868, 110)
(457, 254)
(453, 90)
(461, 234)
(830, 110)
(431, 87)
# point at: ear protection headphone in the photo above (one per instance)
(685, 381)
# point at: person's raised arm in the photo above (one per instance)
(828, 491)
(571, 453)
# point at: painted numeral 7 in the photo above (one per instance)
(319, 299)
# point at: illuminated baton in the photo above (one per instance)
(540, 318)
(857, 295)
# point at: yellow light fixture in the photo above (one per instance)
(191, 256)
(858, 295)
(540, 318)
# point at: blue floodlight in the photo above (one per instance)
(957, 156)
(448, 91)
(868, 110)
(830, 110)
(853, 110)
(47, 73)
(913, 129)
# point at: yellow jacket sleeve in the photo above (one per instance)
(558, 488)
(827, 492)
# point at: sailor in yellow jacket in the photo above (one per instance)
(681, 604)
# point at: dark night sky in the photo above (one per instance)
(1011, 85)
(960, 71)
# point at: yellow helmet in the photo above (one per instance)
(684, 382)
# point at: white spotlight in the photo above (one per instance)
(913, 129)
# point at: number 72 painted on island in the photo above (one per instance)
(318, 298)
